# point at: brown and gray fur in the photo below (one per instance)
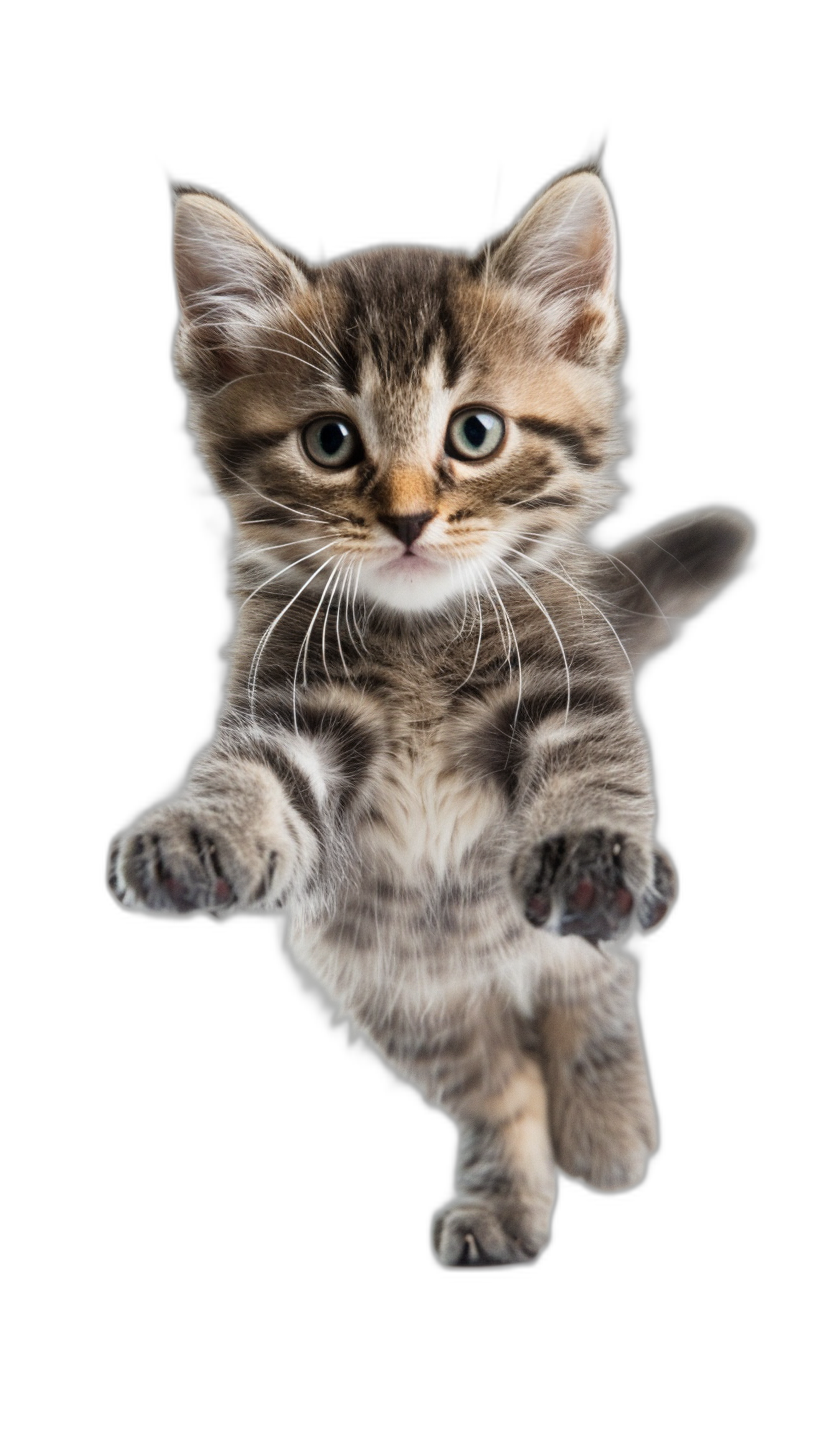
(429, 751)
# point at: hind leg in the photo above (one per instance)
(505, 1178)
(602, 1113)
(473, 1067)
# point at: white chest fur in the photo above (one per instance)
(430, 811)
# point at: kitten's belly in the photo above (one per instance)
(426, 913)
(418, 951)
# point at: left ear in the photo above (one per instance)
(564, 251)
(231, 281)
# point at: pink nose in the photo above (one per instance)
(407, 528)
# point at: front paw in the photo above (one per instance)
(177, 859)
(598, 885)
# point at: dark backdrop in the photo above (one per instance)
(230, 1127)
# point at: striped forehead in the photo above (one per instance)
(405, 418)
(397, 307)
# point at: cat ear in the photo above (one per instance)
(564, 251)
(229, 278)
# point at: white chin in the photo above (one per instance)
(411, 584)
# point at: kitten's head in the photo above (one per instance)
(410, 419)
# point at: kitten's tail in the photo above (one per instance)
(657, 579)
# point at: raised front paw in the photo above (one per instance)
(177, 859)
(598, 885)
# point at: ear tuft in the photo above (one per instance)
(563, 250)
(229, 278)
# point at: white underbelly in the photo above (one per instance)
(429, 817)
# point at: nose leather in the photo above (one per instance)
(407, 528)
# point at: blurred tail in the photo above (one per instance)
(655, 580)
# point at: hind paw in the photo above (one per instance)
(472, 1231)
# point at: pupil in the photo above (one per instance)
(475, 431)
(331, 438)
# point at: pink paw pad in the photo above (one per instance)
(584, 896)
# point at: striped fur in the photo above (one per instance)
(429, 751)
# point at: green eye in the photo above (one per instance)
(332, 443)
(473, 434)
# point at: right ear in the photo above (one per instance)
(562, 252)
(230, 280)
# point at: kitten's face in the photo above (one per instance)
(411, 422)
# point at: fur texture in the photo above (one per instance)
(429, 751)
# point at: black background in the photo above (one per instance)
(232, 1134)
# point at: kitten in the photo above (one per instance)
(429, 752)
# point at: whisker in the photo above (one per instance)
(348, 596)
(628, 568)
(284, 353)
(302, 541)
(478, 641)
(305, 651)
(328, 609)
(577, 597)
(258, 374)
(321, 353)
(242, 480)
(540, 497)
(324, 342)
(272, 502)
(326, 333)
(343, 593)
(357, 640)
(467, 584)
(259, 650)
(284, 570)
(568, 582)
(330, 351)
(264, 520)
(354, 608)
(512, 629)
(334, 515)
(304, 647)
(541, 540)
(552, 539)
(331, 578)
(492, 593)
(460, 564)
(485, 290)
(667, 552)
(531, 594)
(267, 499)
(215, 314)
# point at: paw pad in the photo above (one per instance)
(592, 885)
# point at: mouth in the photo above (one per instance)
(408, 563)
(410, 581)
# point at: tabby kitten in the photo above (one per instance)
(429, 752)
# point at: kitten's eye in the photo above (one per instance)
(332, 443)
(473, 434)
